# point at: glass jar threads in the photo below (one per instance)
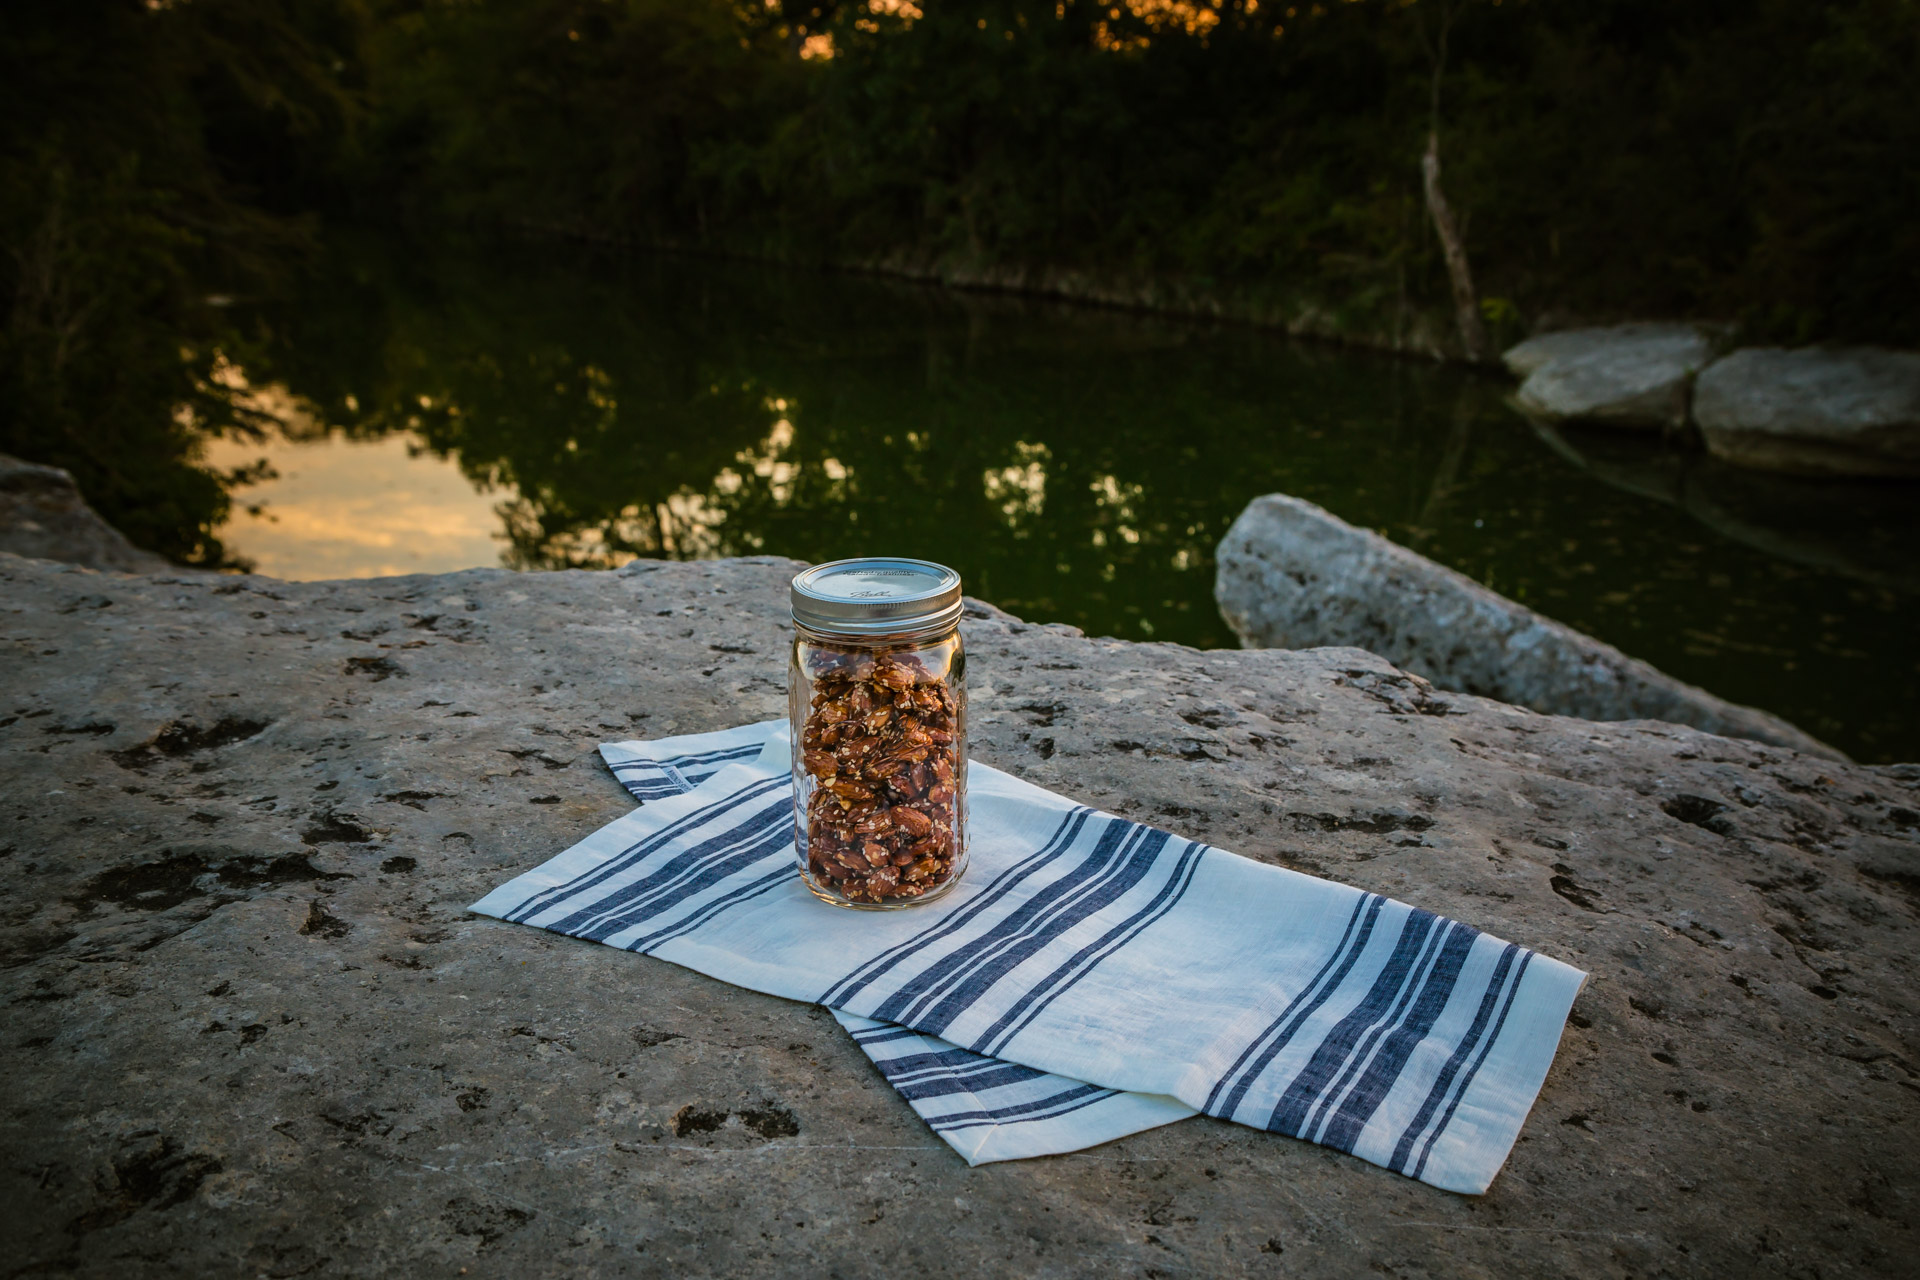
(878, 703)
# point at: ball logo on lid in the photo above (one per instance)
(871, 584)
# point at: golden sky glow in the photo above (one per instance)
(358, 509)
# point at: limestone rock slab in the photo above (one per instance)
(252, 1030)
(1815, 410)
(43, 515)
(1292, 575)
(1630, 375)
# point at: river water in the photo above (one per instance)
(537, 406)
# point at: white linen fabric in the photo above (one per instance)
(986, 1109)
(1097, 953)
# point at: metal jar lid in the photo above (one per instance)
(877, 596)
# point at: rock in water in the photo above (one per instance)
(1294, 576)
(1630, 375)
(1821, 411)
(43, 515)
(251, 1028)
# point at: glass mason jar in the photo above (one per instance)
(878, 703)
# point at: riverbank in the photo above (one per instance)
(316, 1059)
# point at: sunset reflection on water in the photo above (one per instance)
(343, 508)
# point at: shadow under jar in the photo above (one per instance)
(878, 703)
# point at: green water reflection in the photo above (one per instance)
(1080, 465)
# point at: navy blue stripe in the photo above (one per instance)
(682, 773)
(702, 757)
(972, 1065)
(770, 848)
(1088, 958)
(1467, 1083)
(685, 875)
(744, 893)
(1489, 1000)
(950, 986)
(1410, 990)
(1003, 1074)
(1290, 1113)
(1057, 844)
(879, 1035)
(609, 867)
(926, 1060)
(978, 1067)
(1345, 1128)
(1333, 957)
(1061, 906)
(953, 969)
(1295, 1015)
(688, 872)
(628, 857)
(1083, 1095)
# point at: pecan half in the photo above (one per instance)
(880, 741)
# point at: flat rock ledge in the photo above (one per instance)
(1821, 411)
(253, 1030)
(42, 514)
(1630, 375)
(1292, 575)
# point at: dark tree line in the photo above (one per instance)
(1752, 160)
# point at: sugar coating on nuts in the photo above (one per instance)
(878, 745)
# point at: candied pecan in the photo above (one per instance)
(894, 672)
(879, 742)
(911, 821)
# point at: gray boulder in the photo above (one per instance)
(1293, 576)
(43, 515)
(252, 1029)
(1822, 410)
(1630, 375)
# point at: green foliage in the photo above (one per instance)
(131, 136)
(1743, 158)
(1746, 159)
(630, 118)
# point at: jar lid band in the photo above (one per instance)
(876, 596)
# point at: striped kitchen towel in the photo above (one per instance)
(1090, 976)
(984, 1108)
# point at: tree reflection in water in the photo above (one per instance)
(1076, 465)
